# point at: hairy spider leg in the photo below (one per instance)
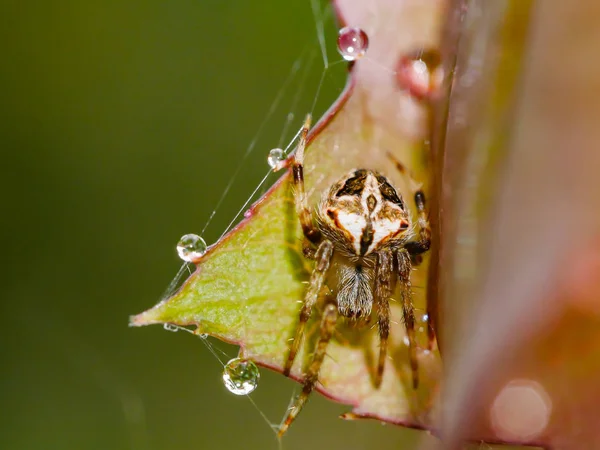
(424, 242)
(328, 322)
(416, 248)
(323, 257)
(408, 310)
(311, 232)
(424, 229)
(384, 286)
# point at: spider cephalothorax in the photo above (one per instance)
(363, 242)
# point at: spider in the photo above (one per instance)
(362, 232)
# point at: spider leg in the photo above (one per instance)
(417, 248)
(328, 322)
(323, 257)
(404, 269)
(308, 250)
(384, 286)
(310, 231)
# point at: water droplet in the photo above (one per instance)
(352, 43)
(240, 376)
(248, 213)
(171, 327)
(275, 157)
(420, 73)
(406, 341)
(191, 247)
(425, 318)
(200, 335)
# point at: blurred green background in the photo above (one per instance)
(122, 124)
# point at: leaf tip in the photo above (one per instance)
(148, 317)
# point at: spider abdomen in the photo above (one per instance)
(362, 213)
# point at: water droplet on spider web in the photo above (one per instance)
(191, 247)
(276, 155)
(352, 43)
(240, 376)
(171, 327)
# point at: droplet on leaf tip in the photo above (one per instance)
(352, 43)
(191, 247)
(240, 376)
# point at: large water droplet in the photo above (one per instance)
(275, 157)
(191, 247)
(352, 43)
(420, 73)
(240, 376)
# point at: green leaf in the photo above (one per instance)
(248, 287)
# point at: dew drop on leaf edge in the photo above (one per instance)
(352, 43)
(240, 376)
(420, 72)
(276, 155)
(191, 247)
